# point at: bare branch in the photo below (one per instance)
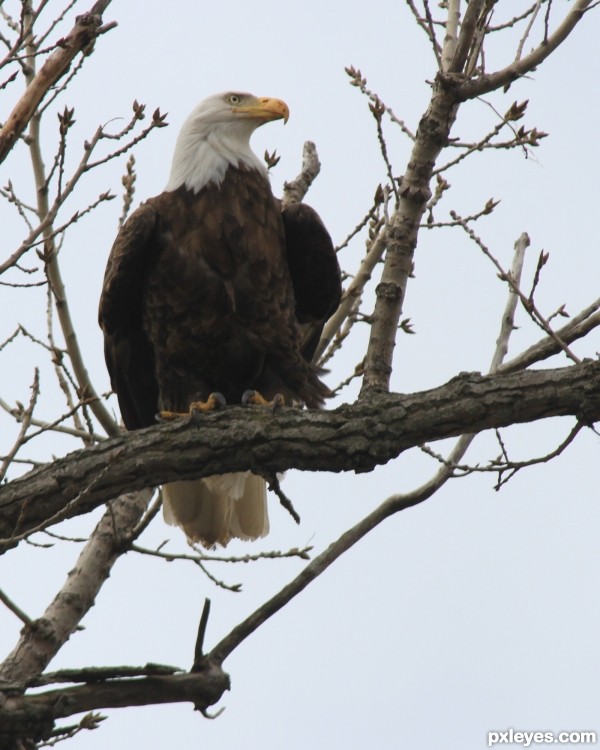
(97, 674)
(526, 301)
(16, 610)
(203, 557)
(504, 464)
(294, 191)
(578, 327)
(40, 641)
(401, 238)
(483, 84)
(522, 137)
(508, 318)
(352, 295)
(516, 19)
(83, 34)
(451, 38)
(86, 390)
(370, 215)
(512, 467)
(466, 35)
(360, 82)
(534, 12)
(427, 25)
(293, 438)
(34, 715)
(377, 109)
(489, 206)
(25, 422)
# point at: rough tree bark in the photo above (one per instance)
(354, 437)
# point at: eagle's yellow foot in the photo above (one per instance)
(254, 397)
(213, 402)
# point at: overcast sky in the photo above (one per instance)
(475, 611)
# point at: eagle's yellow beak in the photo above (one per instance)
(265, 109)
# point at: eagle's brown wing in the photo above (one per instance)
(129, 355)
(314, 269)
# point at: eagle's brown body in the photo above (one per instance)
(217, 290)
(198, 292)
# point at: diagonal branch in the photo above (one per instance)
(83, 34)
(517, 69)
(41, 640)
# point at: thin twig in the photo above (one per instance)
(199, 647)
(527, 303)
(578, 327)
(15, 609)
(360, 82)
(25, 423)
(508, 318)
(533, 11)
(352, 295)
(504, 464)
(426, 24)
(371, 214)
(302, 553)
(286, 503)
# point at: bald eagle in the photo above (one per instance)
(212, 286)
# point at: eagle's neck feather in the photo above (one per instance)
(203, 155)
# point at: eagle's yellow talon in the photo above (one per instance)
(257, 399)
(213, 402)
(168, 416)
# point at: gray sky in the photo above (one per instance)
(475, 611)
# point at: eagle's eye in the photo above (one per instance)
(234, 99)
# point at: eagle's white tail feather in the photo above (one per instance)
(216, 509)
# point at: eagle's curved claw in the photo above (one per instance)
(254, 397)
(214, 401)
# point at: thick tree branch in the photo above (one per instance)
(401, 236)
(83, 34)
(350, 438)
(33, 716)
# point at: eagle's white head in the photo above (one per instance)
(217, 135)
